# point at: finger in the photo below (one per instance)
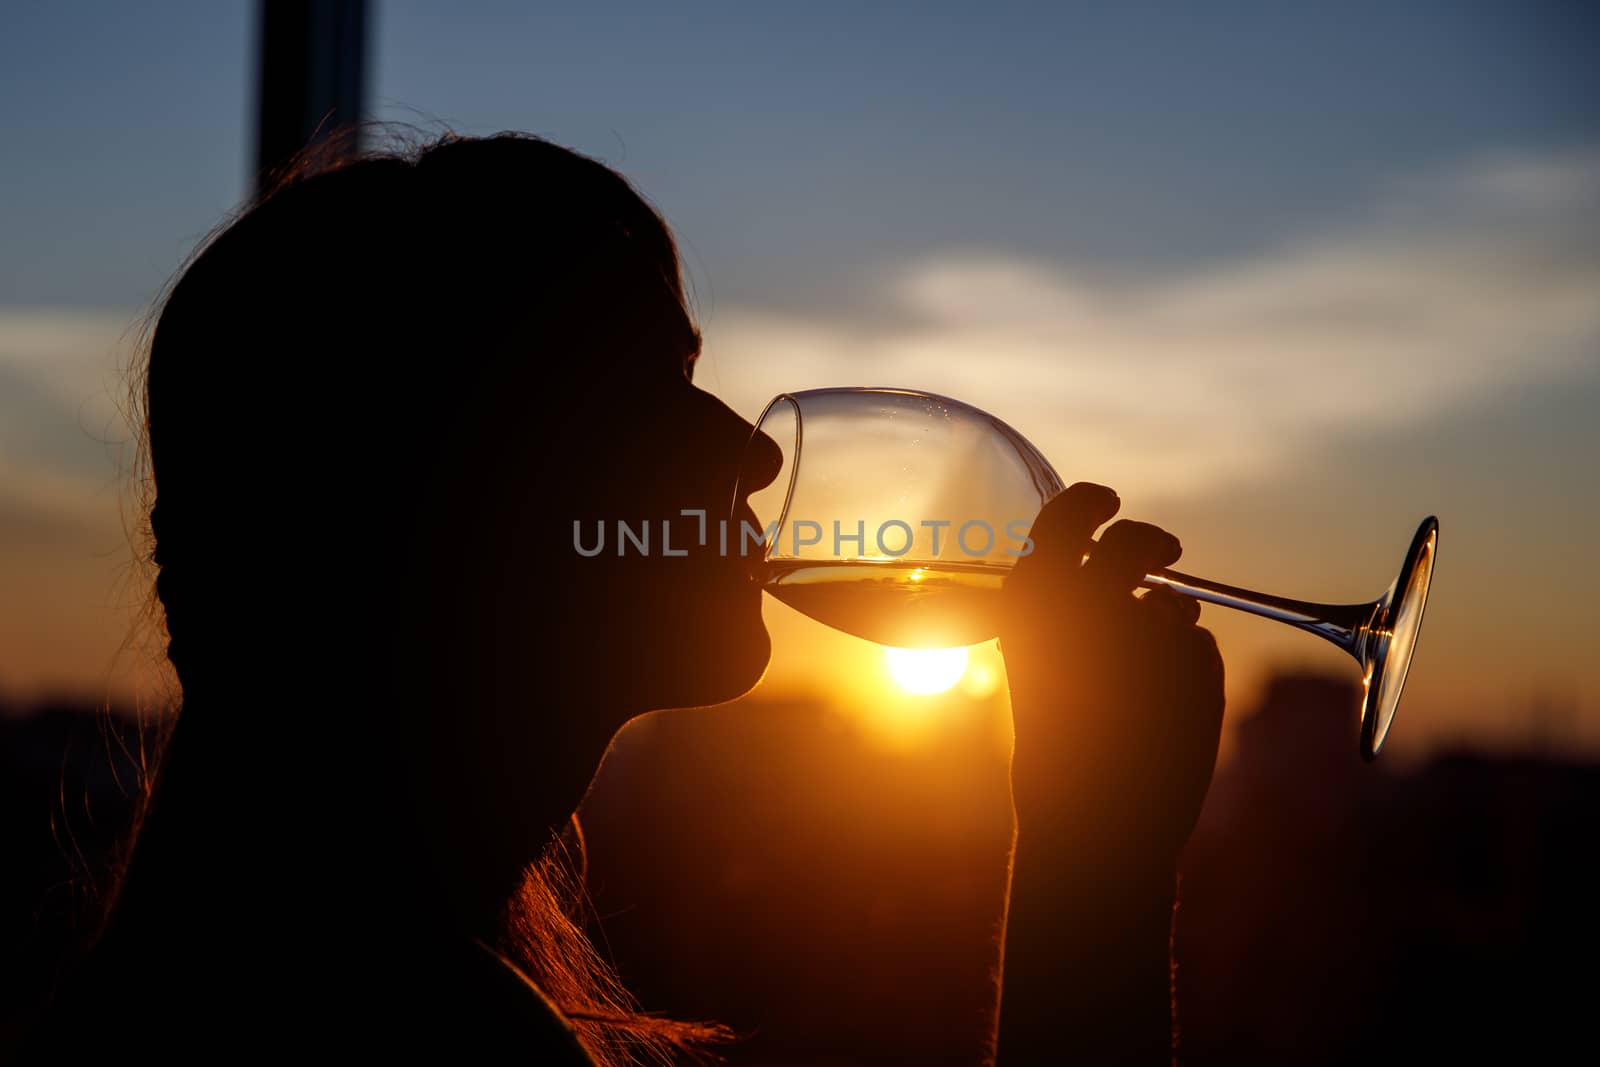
(1204, 680)
(1130, 550)
(1204, 669)
(1170, 605)
(1188, 742)
(1204, 657)
(1064, 529)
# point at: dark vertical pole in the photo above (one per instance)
(312, 77)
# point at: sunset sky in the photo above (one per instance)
(1288, 279)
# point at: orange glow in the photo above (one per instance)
(982, 678)
(926, 670)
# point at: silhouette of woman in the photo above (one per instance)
(375, 403)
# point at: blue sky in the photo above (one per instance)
(1135, 135)
(1288, 275)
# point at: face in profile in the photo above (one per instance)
(679, 616)
(521, 360)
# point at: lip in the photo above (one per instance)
(751, 566)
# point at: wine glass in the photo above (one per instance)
(897, 515)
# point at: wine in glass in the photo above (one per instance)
(898, 514)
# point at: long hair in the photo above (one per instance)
(543, 932)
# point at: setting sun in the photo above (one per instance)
(926, 670)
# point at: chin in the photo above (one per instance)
(708, 643)
(746, 669)
(718, 668)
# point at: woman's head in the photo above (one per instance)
(379, 361)
(377, 403)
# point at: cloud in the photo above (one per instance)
(64, 440)
(1452, 287)
(65, 561)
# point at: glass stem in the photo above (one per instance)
(1345, 625)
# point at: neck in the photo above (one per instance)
(363, 812)
(258, 829)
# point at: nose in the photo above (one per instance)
(758, 456)
(762, 461)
